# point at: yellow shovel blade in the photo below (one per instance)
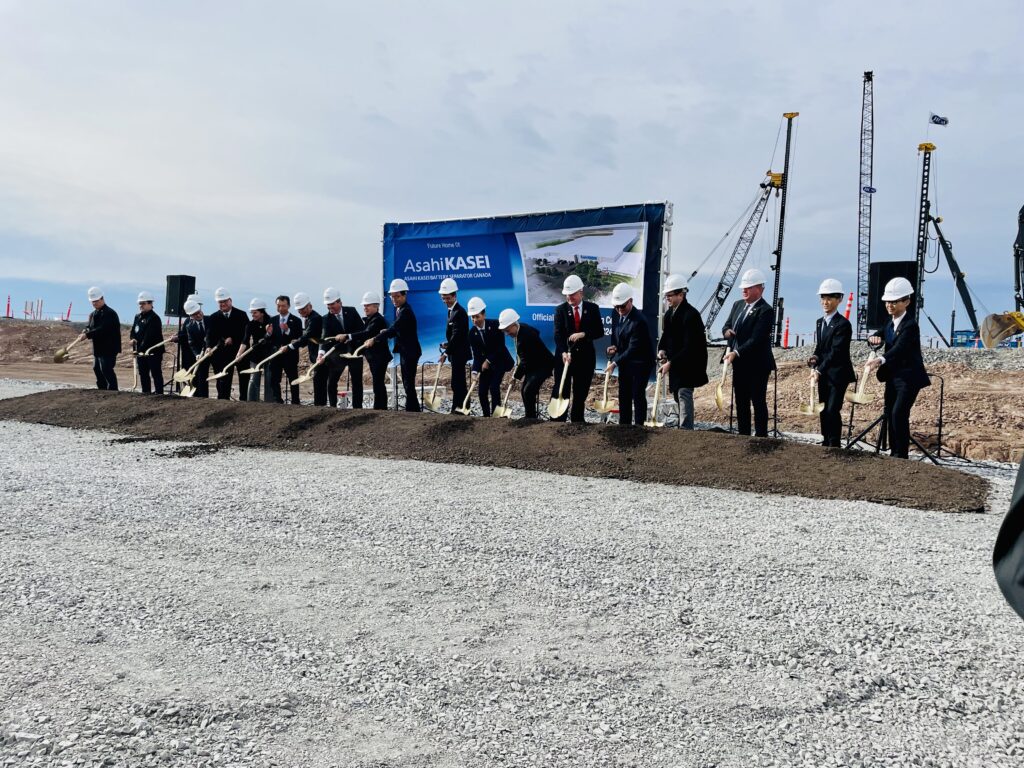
(996, 328)
(859, 398)
(557, 407)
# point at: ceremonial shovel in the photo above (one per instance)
(604, 405)
(256, 368)
(653, 420)
(719, 391)
(62, 354)
(227, 368)
(812, 406)
(860, 397)
(432, 401)
(503, 411)
(559, 405)
(309, 374)
(464, 410)
(155, 346)
(355, 355)
(187, 374)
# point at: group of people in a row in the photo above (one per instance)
(341, 339)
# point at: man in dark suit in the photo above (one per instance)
(192, 341)
(377, 356)
(491, 359)
(830, 362)
(535, 359)
(749, 333)
(147, 332)
(633, 353)
(104, 328)
(407, 340)
(287, 328)
(312, 330)
(901, 365)
(577, 326)
(339, 324)
(226, 327)
(456, 346)
(682, 348)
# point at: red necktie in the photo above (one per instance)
(576, 317)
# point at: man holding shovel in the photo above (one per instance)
(104, 328)
(339, 324)
(312, 330)
(830, 364)
(407, 340)
(227, 327)
(633, 353)
(146, 333)
(682, 348)
(378, 356)
(535, 360)
(192, 338)
(456, 346)
(577, 326)
(749, 333)
(287, 328)
(491, 359)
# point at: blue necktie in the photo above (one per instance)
(890, 334)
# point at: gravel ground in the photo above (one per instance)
(172, 604)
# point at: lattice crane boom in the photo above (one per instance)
(867, 170)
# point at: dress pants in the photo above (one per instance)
(103, 367)
(409, 366)
(577, 385)
(832, 417)
(338, 367)
(899, 399)
(532, 383)
(489, 390)
(751, 389)
(633, 395)
(320, 385)
(151, 374)
(288, 364)
(378, 370)
(224, 385)
(459, 388)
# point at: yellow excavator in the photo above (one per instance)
(996, 328)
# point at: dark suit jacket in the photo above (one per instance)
(533, 356)
(753, 340)
(374, 325)
(685, 344)
(456, 334)
(489, 344)
(832, 348)
(193, 337)
(350, 323)
(104, 329)
(147, 330)
(403, 331)
(904, 365)
(1008, 554)
(279, 338)
(219, 328)
(631, 338)
(590, 324)
(312, 330)
(261, 342)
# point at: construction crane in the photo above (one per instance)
(958, 277)
(922, 226)
(867, 169)
(997, 327)
(717, 299)
(777, 267)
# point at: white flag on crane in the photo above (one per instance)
(938, 119)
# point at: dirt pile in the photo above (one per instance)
(647, 455)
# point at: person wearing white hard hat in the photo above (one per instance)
(312, 330)
(191, 340)
(534, 361)
(226, 331)
(578, 325)
(682, 348)
(901, 365)
(340, 323)
(830, 362)
(455, 348)
(632, 352)
(748, 330)
(147, 332)
(407, 341)
(491, 360)
(377, 356)
(104, 329)
(287, 329)
(259, 336)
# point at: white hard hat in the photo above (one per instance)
(257, 304)
(145, 296)
(301, 299)
(675, 283)
(897, 288)
(194, 297)
(371, 297)
(572, 284)
(398, 285)
(830, 286)
(752, 277)
(191, 307)
(221, 294)
(621, 293)
(476, 306)
(507, 317)
(331, 295)
(95, 294)
(448, 285)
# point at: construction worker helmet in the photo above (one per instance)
(508, 317)
(829, 287)
(897, 288)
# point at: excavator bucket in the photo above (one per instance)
(995, 328)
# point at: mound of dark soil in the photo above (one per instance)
(636, 453)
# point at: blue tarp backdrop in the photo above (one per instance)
(519, 262)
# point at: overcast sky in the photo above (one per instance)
(262, 145)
